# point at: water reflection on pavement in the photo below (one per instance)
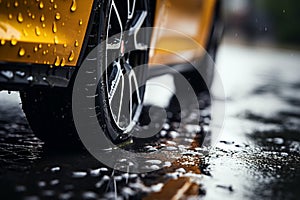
(258, 155)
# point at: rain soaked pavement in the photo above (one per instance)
(257, 156)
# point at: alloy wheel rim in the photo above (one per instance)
(121, 79)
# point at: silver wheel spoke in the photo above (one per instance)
(130, 11)
(116, 44)
(121, 99)
(134, 30)
(119, 89)
(115, 82)
(132, 76)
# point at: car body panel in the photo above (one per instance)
(43, 32)
(38, 38)
(190, 22)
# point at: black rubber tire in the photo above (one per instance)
(104, 114)
(49, 111)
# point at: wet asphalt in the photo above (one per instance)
(256, 156)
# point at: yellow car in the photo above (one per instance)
(43, 43)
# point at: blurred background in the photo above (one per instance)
(263, 22)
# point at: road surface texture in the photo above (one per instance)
(257, 156)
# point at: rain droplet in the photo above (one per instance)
(54, 28)
(20, 18)
(2, 42)
(40, 46)
(57, 16)
(35, 49)
(21, 52)
(13, 42)
(55, 40)
(65, 45)
(51, 1)
(16, 4)
(25, 32)
(63, 62)
(10, 16)
(44, 25)
(73, 6)
(71, 57)
(32, 16)
(79, 174)
(37, 31)
(80, 22)
(57, 61)
(41, 5)
(42, 18)
(44, 52)
(76, 43)
(55, 6)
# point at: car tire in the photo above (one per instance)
(49, 111)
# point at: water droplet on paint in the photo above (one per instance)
(13, 42)
(41, 5)
(16, 4)
(57, 16)
(25, 32)
(76, 43)
(71, 57)
(2, 42)
(55, 40)
(21, 52)
(10, 16)
(54, 28)
(73, 6)
(42, 18)
(37, 31)
(57, 61)
(20, 18)
(63, 62)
